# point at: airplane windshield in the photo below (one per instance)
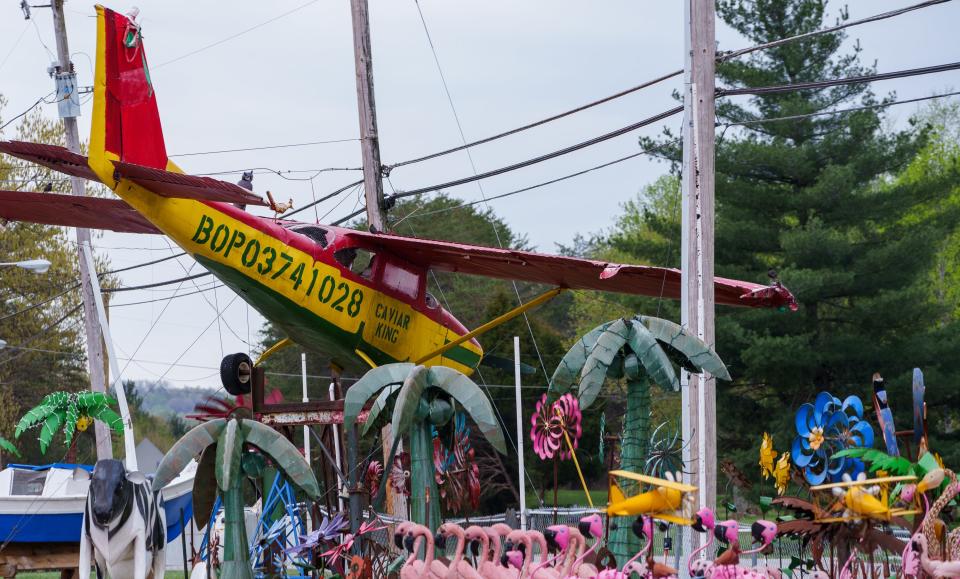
(359, 261)
(318, 234)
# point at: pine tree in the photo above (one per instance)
(817, 202)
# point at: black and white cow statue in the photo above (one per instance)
(124, 525)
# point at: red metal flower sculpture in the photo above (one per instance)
(552, 423)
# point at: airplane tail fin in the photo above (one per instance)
(126, 122)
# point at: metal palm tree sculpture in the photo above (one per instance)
(227, 439)
(639, 349)
(71, 411)
(424, 399)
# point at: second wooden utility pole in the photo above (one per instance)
(367, 108)
(697, 300)
(66, 81)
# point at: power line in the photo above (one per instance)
(325, 197)
(838, 112)
(818, 84)
(38, 304)
(42, 99)
(144, 264)
(476, 177)
(551, 181)
(238, 34)
(156, 284)
(175, 296)
(282, 173)
(735, 53)
(265, 147)
(584, 107)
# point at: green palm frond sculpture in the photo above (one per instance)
(69, 411)
(226, 439)
(639, 349)
(7, 446)
(422, 398)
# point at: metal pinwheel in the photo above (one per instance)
(556, 428)
(824, 428)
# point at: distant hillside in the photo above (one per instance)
(164, 400)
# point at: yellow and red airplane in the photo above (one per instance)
(667, 499)
(358, 297)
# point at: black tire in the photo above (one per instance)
(236, 373)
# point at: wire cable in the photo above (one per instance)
(42, 99)
(551, 181)
(581, 108)
(325, 197)
(235, 35)
(735, 53)
(265, 147)
(155, 284)
(492, 173)
(837, 112)
(819, 84)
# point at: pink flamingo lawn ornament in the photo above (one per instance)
(403, 538)
(458, 567)
(487, 562)
(589, 526)
(496, 534)
(916, 558)
(704, 523)
(431, 568)
(642, 528)
(527, 539)
(763, 532)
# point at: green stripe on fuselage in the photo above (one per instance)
(309, 330)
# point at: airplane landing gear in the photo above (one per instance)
(236, 373)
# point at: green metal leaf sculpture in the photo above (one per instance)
(423, 399)
(65, 410)
(284, 454)
(565, 376)
(225, 439)
(7, 446)
(699, 356)
(474, 401)
(371, 383)
(640, 349)
(378, 405)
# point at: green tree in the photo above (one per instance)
(821, 202)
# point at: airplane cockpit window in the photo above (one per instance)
(317, 234)
(359, 261)
(401, 279)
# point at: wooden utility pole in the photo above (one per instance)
(696, 301)
(367, 108)
(95, 359)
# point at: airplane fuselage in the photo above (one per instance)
(303, 282)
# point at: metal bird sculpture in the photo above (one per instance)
(884, 415)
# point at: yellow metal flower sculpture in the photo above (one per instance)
(767, 456)
(781, 475)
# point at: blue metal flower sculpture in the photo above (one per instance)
(824, 428)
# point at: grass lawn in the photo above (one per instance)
(568, 498)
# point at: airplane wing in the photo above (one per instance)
(562, 271)
(73, 211)
(163, 183)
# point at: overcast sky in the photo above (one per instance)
(291, 80)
